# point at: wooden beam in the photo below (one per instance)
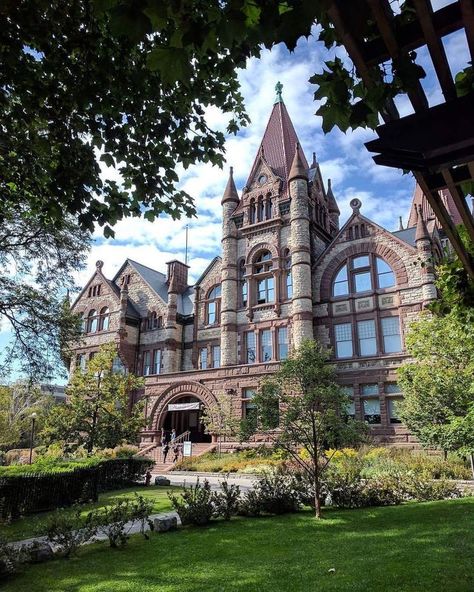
(467, 11)
(461, 204)
(383, 16)
(436, 49)
(353, 49)
(449, 228)
(446, 20)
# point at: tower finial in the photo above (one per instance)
(400, 223)
(278, 89)
(315, 162)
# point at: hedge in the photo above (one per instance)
(36, 491)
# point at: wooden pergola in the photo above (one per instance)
(437, 143)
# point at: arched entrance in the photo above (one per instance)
(185, 414)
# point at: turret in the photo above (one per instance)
(302, 307)
(229, 285)
(177, 283)
(425, 253)
(333, 209)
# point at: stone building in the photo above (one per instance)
(287, 272)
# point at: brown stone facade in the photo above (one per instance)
(286, 273)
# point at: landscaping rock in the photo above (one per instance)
(165, 524)
(160, 480)
(38, 552)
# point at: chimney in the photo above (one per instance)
(178, 271)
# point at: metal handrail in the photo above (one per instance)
(181, 437)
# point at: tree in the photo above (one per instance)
(438, 383)
(18, 402)
(98, 412)
(303, 409)
(38, 262)
(128, 82)
(219, 418)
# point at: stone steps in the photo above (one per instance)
(161, 467)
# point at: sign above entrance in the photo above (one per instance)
(184, 406)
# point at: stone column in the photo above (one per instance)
(302, 306)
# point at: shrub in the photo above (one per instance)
(274, 493)
(226, 501)
(141, 511)
(195, 505)
(49, 484)
(111, 521)
(423, 491)
(68, 530)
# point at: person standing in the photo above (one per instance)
(165, 451)
(163, 438)
(173, 436)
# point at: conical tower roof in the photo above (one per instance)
(230, 192)
(332, 203)
(277, 147)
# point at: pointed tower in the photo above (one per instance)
(230, 201)
(302, 306)
(333, 208)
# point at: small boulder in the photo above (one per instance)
(165, 524)
(160, 480)
(38, 552)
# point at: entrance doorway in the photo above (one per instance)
(185, 414)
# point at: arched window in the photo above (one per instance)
(265, 281)
(260, 209)
(363, 273)
(160, 322)
(252, 215)
(288, 276)
(212, 309)
(385, 275)
(92, 321)
(81, 322)
(243, 285)
(104, 319)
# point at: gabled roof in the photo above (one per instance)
(407, 235)
(207, 270)
(155, 279)
(278, 146)
(419, 199)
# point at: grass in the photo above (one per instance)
(410, 548)
(33, 525)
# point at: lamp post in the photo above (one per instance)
(33, 420)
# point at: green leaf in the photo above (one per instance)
(172, 64)
(108, 159)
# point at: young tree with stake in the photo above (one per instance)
(302, 407)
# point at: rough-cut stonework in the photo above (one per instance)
(194, 343)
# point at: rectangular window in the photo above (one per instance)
(369, 389)
(266, 349)
(250, 353)
(391, 335)
(349, 392)
(289, 285)
(394, 409)
(81, 362)
(343, 334)
(146, 363)
(249, 409)
(216, 356)
(360, 261)
(283, 343)
(244, 293)
(392, 387)
(362, 281)
(203, 358)
(265, 290)
(157, 361)
(367, 340)
(371, 410)
(211, 313)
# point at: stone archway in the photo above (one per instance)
(173, 394)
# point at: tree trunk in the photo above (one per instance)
(471, 457)
(317, 492)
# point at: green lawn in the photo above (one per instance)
(411, 548)
(33, 525)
